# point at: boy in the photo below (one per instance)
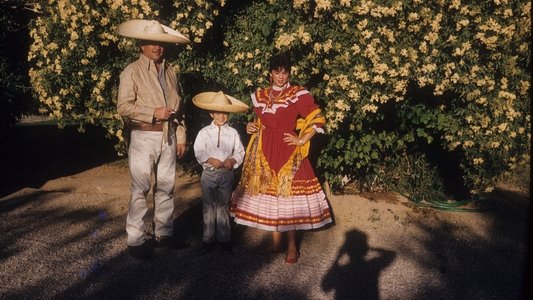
(218, 148)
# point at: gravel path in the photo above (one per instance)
(66, 240)
(62, 236)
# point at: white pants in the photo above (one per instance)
(148, 153)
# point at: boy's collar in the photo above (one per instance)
(213, 124)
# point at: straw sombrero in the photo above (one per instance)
(151, 30)
(213, 101)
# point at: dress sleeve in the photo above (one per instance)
(306, 105)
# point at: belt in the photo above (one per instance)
(146, 126)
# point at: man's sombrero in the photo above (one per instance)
(219, 102)
(151, 30)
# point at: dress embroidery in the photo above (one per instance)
(269, 104)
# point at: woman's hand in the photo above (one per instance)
(251, 128)
(293, 140)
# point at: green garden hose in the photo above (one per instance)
(454, 206)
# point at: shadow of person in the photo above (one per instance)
(188, 224)
(355, 272)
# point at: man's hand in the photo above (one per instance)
(163, 113)
(180, 150)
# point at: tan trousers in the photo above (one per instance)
(148, 153)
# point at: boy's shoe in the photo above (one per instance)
(206, 247)
(144, 251)
(169, 242)
(226, 248)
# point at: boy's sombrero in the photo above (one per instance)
(219, 102)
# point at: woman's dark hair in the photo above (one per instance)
(280, 61)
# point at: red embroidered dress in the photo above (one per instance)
(278, 190)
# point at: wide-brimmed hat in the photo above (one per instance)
(151, 30)
(218, 101)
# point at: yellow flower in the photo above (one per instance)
(362, 24)
(380, 68)
(354, 95)
(468, 144)
(369, 108)
(412, 17)
(346, 3)
(366, 34)
(284, 40)
(341, 105)
(478, 161)
(379, 79)
(494, 144)
(502, 127)
(305, 37)
(524, 87)
(87, 29)
(343, 81)
(91, 52)
(323, 4)
(298, 3)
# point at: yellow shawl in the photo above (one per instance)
(258, 178)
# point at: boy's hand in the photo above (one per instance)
(215, 162)
(229, 163)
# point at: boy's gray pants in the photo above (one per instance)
(217, 186)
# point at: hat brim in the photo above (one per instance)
(236, 105)
(134, 29)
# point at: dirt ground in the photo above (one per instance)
(62, 236)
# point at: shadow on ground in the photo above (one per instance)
(31, 155)
(64, 252)
(469, 264)
(356, 269)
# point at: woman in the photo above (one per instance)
(278, 190)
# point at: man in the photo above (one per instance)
(148, 99)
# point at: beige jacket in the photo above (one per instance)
(139, 94)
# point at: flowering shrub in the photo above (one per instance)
(364, 61)
(15, 95)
